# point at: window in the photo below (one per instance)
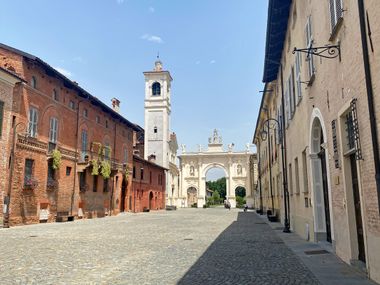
(287, 105)
(309, 44)
(85, 113)
(150, 177)
(68, 170)
(125, 155)
(53, 133)
(298, 76)
(28, 172)
(98, 119)
(304, 168)
(105, 185)
(33, 119)
(51, 171)
(82, 181)
(1, 117)
(291, 91)
(350, 133)
(55, 95)
(336, 13)
(155, 130)
(107, 151)
(156, 89)
(290, 179)
(72, 105)
(95, 183)
(107, 124)
(84, 143)
(142, 173)
(33, 82)
(134, 172)
(296, 169)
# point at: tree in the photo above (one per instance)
(215, 197)
(218, 185)
(240, 191)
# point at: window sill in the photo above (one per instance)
(336, 30)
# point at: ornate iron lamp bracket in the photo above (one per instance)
(328, 51)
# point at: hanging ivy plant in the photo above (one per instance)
(95, 167)
(106, 169)
(56, 155)
(126, 173)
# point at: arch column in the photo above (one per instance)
(230, 191)
(201, 186)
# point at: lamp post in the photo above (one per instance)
(7, 199)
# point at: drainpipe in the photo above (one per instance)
(370, 97)
(113, 178)
(284, 163)
(76, 158)
(259, 167)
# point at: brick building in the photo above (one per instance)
(8, 80)
(73, 153)
(148, 185)
(332, 163)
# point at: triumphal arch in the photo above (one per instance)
(195, 165)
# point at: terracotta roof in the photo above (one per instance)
(71, 84)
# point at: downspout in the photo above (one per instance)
(259, 166)
(113, 178)
(284, 163)
(76, 158)
(370, 97)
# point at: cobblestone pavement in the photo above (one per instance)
(187, 246)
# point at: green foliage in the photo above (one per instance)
(240, 202)
(218, 186)
(95, 167)
(56, 155)
(240, 191)
(105, 169)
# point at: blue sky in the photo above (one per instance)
(214, 50)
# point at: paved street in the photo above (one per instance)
(187, 246)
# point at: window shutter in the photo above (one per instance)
(298, 76)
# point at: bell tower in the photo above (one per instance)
(157, 114)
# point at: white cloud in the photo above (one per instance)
(151, 9)
(63, 71)
(152, 38)
(212, 61)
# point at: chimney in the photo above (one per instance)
(152, 158)
(115, 105)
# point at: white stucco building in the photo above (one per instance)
(195, 165)
(159, 140)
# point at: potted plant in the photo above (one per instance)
(95, 167)
(56, 156)
(105, 169)
(30, 183)
(51, 184)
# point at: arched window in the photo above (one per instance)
(156, 89)
(155, 130)
(33, 82)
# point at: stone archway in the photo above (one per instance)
(195, 165)
(320, 178)
(192, 196)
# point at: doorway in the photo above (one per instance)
(150, 200)
(358, 209)
(123, 195)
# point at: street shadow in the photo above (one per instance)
(248, 252)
